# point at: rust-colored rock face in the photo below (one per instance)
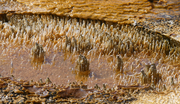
(108, 10)
(156, 15)
(121, 50)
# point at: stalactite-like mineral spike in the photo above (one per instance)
(40, 80)
(37, 53)
(146, 70)
(119, 64)
(165, 47)
(74, 43)
(82, 64)
(143, 77)
(48, 80)
(153, 71)
(172, 81)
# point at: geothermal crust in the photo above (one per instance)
(128, 53)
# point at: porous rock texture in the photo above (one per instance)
(148, 27)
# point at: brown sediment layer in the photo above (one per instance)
(101, 40)
(22, 91)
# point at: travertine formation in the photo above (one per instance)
(126, 47)
(89, 39)
(82, 68)
(150, 75)
(81, 36)
(82, 64)
(119, 65)
(160, 15)
(37, 54)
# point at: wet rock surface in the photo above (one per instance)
(21, 91)
(123, 51)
